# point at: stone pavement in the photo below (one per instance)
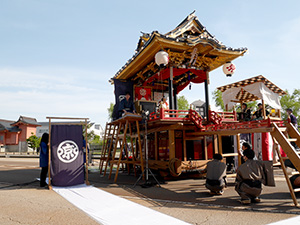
(24, 202)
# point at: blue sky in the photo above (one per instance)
(56, 57)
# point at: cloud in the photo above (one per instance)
(52, 81)
(39, 95)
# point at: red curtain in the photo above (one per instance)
(165, 74)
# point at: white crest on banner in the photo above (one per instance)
(121, 97)
(67, 151)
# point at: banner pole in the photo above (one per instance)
(49, 156)
(86, 156)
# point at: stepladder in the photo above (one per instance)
(287, 136)
(125, 145)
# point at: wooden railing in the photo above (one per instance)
(228, 116)
(218, 120)
(243, 125)
(196, 118)
(170, 114)
(214, 117)
(178, 115)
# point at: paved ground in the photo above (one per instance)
(24, 202)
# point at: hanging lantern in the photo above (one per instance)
(229, 68)
(161, 58)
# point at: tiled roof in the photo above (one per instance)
(6, 125)
(27, 120)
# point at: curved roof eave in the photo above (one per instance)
(168, 42)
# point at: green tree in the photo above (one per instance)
(217, 96)
(33, 142)
(182, 103)
(110, 111)
(96, 139)
(291, 101)
(91, 136)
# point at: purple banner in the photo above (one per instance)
(66, 155)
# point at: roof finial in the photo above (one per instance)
(191, 15)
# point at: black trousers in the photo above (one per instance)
(43, 176)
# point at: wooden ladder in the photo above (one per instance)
(283, 136)
(115, 141)
(108, 140)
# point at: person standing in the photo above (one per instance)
(84, 148)
(249, 178)
(44, 157)
(216, 174)
(292, 118)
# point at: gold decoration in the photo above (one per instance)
(177, 58)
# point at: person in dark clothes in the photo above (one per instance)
(115, 114)
(44, 157)
(292, 118)
(294, 122)
(245, 114)
(295, 181)
(126, 105)
(216, 174)
(245, 146)
(249, 178)
(258, 115)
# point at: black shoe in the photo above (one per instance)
(255, 200)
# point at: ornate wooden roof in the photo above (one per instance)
(189, 45)
(253, 80)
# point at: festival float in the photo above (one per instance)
(175, 142)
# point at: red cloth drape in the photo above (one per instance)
(165, 74)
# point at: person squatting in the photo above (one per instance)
(250, 176)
